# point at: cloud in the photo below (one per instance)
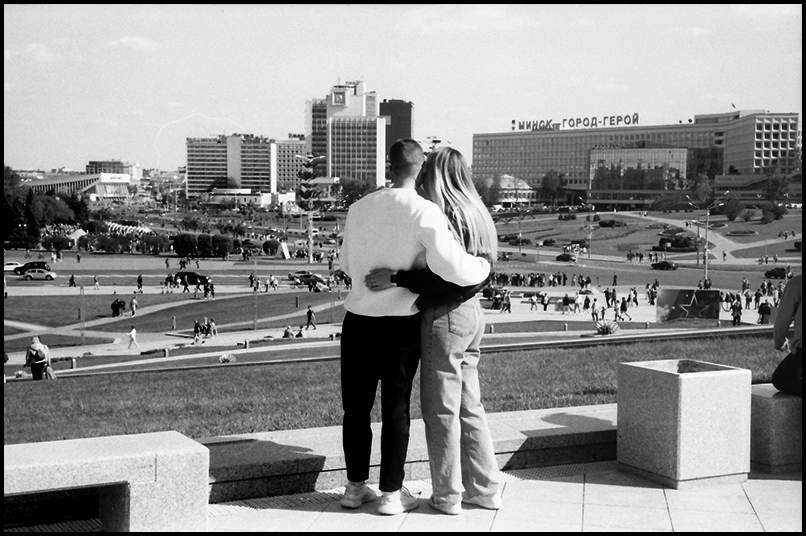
(464, 18)
(771, 11)
(34, 51)
(142, 44)
(611, 87)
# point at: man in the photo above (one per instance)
(395, 228)
(311, 318)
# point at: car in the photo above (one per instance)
(520, 242)
(664, 265)
(39, 273)
(20, 270)
(9, 266)
(588, 291)
(567, 257)
(312, 278)
(778, 273)
(299, 274)
(193, 278)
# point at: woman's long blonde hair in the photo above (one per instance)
(446, 181)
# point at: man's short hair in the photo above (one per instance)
(406, 153)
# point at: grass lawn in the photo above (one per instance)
(233, 400)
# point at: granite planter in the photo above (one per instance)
(684, 423)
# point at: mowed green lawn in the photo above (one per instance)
(230, 399)
(273, 310)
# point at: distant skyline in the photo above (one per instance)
(132, 82)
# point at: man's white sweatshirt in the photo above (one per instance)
(396, 228)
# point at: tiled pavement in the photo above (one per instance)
(593, 497)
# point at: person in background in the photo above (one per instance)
(288, 333)
(460, 447)
(788, 376)
(133, 338)
(38, 358)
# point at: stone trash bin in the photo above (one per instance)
(684, 423)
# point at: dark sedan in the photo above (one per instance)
(778, 273)
(567, 257)
(664, 265)
(193, 278)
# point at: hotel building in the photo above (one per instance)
(349, 126)
(623, 165)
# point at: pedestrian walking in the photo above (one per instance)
(133, 305)
(95, 283)
(133, 338)
(311, 319)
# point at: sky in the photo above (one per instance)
(132, 82)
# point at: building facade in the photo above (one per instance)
(743, 142)
(115, 166)
(95, 187)
(288, 165)
(354, 133)
(234, 161)
(399, 120)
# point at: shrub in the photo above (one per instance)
(549, 242)
(204, 245)
(222, 245)
(184, 244)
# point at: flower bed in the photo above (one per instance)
(748, 232)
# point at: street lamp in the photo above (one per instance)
(715, 204)
(590, 224)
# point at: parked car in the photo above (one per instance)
(9, 266)
(312, 278)
(664, 265)
(20, 270)
(520, 241)
(778, 273)
(567, 257)
(193, 278)
(39, 273)
(299, 274)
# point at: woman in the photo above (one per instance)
(38, 358)
(460, 446)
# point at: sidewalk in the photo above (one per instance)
(592, 497)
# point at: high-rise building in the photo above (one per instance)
(740, 142)
(398, 115)
(234, 161)
(288, 165)
(354, 133)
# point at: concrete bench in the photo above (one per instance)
(776, 430)
(149, 482)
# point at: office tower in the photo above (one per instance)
(398, 115)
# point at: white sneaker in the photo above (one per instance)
(490, 502)
(397, 502)
(356, 494)
(451, 509)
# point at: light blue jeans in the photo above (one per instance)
(460, 448)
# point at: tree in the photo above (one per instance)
(185, 244)
(354, 189)
(204, 245)
(776, 187)
(701, 190)
(32, 227)
(222, 245)
(270, 247)
(732, 208)
(551, 185)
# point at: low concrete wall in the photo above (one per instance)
(297, 461)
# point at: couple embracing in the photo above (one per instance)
(423, 249)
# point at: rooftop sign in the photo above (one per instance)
(577, 122)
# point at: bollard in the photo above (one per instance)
(246, 344)
(173, 322)
(167, 353)
(646, 325)
(72, 362)
(296, 302)
(565, 327)
(492, 328)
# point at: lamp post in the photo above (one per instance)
(715, 204)
(590, 224)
